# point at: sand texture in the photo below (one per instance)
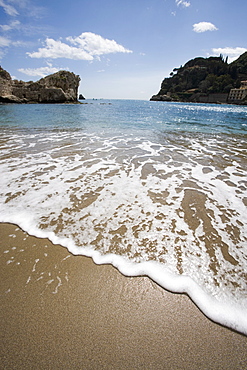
(60, 311)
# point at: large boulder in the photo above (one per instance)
(60, 87)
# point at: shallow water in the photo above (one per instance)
(153, 188)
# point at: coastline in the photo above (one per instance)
(62, 311)
(200, 100)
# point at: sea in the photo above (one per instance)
(153, 188)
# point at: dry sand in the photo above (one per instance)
(64, 312)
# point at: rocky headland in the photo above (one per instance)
(207, 80)
(60, 87)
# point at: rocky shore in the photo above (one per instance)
(60, 87)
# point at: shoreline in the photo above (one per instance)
(241, 103)
(63, 311)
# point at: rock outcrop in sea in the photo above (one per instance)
(60, 87)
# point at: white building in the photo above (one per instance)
(238, 94)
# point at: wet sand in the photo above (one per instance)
(60, 311)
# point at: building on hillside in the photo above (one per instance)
(238, 94)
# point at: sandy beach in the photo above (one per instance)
(60, 311)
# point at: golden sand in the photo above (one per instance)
(60, 311)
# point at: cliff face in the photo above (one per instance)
(59, 87)
(5, 83)
(203, 79)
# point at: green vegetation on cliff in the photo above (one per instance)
(205, 76)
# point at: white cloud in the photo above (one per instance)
(204, 26)
(11, 26)
(9, 9)
(58, 49)
(20, 43)
(4, 41)
(184, 3)
(41, 72)
(232, 53)
(87, 46)
(20, 3)
(24, 6)
(96, 44)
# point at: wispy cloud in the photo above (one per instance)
(40, 72)
(4, 41)
(204, 26)
(232, 53)
(27, 8)
(9, 9)
(20, 3)
(12, 25)
(183, 3)
(87, 46)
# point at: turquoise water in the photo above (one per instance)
(153, 188)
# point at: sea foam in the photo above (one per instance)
(168, 205)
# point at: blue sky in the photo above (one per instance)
(120, 49)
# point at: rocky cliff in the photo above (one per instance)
(203, 80)
(60, 87)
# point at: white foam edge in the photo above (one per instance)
(227, 315)
(224, 313)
